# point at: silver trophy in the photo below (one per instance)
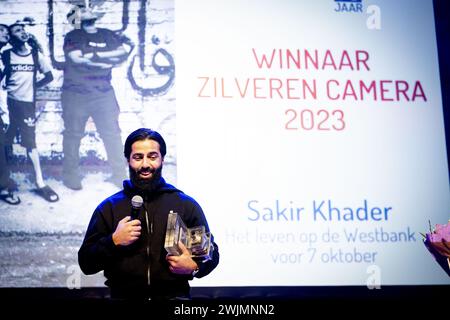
(196, 239)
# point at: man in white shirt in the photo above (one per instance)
(7, 185)
(22, 64)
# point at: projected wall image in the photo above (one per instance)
(310, 132)
(40, 239)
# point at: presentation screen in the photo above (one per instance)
(311, 133)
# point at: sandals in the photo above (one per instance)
(9, 197)
(47, 193)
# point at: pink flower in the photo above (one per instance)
(438, 243)
(439, 239)
(441, 232)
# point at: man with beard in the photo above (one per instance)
(131, 252)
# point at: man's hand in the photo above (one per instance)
(182, 264)
(127, 231)
(101, 65)
(89, 55)
(88, 59)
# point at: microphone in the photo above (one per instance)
(136, 204)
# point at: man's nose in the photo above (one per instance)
(146, 163)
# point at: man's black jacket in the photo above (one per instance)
(141, 268)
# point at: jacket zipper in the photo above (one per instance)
(149, 232)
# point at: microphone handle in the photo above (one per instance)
(135, 213)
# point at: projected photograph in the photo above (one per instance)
(325, 135)
(69, 155)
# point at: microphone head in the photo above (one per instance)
(137, 201)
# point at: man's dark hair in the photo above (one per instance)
(144, 134)
(14, 25)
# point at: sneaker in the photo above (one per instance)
(72, 182)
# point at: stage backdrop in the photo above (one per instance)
(312, 134)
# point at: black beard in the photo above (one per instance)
(147, 185)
